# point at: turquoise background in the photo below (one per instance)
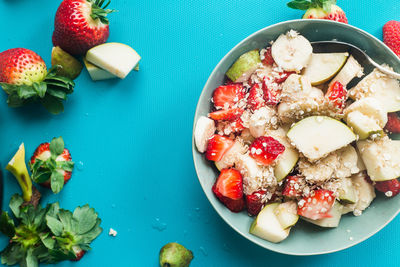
(131, 139)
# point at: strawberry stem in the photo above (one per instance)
(99, 11)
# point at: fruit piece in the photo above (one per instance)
(96, 73)
(255, 202)
(331, 222)
(262, 119)
(360, 163)
(381, 87)
(265, 150)
(80, 25)
(349, 71)
(393, 123)
(370, 107)
(347, 192)
(70, 67)
(204, 130)
(226, 114)
(256, 98)
(175, 255)
(249, 167)
(267, 225)
(317, 136)
(365, 192)
(286, 162)
(237, 125)
(317, 206)
(116, 58)
(321, 9)
(18, 168)
(391, 187)
(51, 165)
(228, 188)
(337, 95)
(267, 58)
(323, 67)
(244, 66)
(282, 76)
(217, 147)
(362, 125)
(292, 187)
(286, 213)
(231, 156)
(272, 96)
(79, 253)
(381, 158)
(391, 36)
(226, 96)
(291, 51)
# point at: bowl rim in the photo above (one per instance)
(261, 243)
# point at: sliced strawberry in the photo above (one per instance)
(255, 202)
(228, 188)
(268, 59)
(217, 147)
(226, 114)
(237, 125)
(391, 188)
(282, 76)
(393, 124)
(292, 187)
(317, 206)
(226, 96)
(337, 94)
(271, 97)
(255, 99)
(266, 149)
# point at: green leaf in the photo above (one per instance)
(39, 218)
(15, 204)
(26, 91)
(299, 4)
(57, 93)
(40, 88)
(41, 176)
(47, 241)
(57, 181)
(30, 260)
(86, 218)
(65, 217)
(53, 209)
(9, 88)
(93, 233)
(55, 225)
(12, 254)
(14, 100)
(56, 147)
(7, 226)
(65, 165)
(52, 104)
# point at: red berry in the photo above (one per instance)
(393, 124)
(266, 149)
(255, 202)
(228, 188)
(268, 59)
(317, 206)
(226, 96)
(237, 125)
(282, 76)
(391, 188)
(271, 96)
(337, 94)
(226, 114)
(391, 36)
(292, 187)
(217, 147)
(255, 99)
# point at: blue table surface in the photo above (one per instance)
(131, 139)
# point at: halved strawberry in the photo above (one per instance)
(228, 188)
(266, 149)
(271, 97)
(337, 94)
(391, 188)
(317, 206)
(256, 97)
(226, 96)
(255, 202)
(292, 187)
(217, 146)
(393, 124)
(268, 59)
(226, 114)
(282, 76)
(237, 125)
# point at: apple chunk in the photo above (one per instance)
(323, 67)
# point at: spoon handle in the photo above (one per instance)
(385, 70)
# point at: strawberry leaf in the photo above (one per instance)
(15, 204)
(56, 181)
(52, 104)
(40, 88)
(55, 225)
(86, 219)
(65, 165)
(299, 4)
(7, 226)
(56, 147)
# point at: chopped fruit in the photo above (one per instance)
(79, 253)
(363, 125)
(282, 76)
(271, 97)
(292, 187)
(371, 108)
(287, 214)
(228, 188)
(317, 206)
(337, 94)
(268, 59)
(391, 36)
(244, 66)
(266, 149)
(175, 255)
(393, 124)
(331, 222)
(255, 202)
(205, 128)
(70, 66)
(321, 9)
(217, 147)
(324, 66)
(349, 71)
(391, 187)
(255, 99)
(226, 96)
(237, 125)
(96, 73)
(226, 114)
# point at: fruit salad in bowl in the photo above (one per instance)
(297, 135)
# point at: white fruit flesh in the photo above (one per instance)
(347, 192)
(349, 71)
(267, 225)
(362, 125)
(291, 51)
(260, 119)
(116, 58)
(370, 107)
(286, 213)
(360, 163)
(244, 66)
(205, 128)
(96, 73)
(331, 222)
(248, 167)
(231, 156)
(323, 67)
(365, 191)
(381, 158)
(317, 136)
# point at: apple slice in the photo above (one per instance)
(287, 214)
(349, 71)
(244, 66)
(70, 66)
(324, 66)
(370, 107)
(332, 222)
(317, 136)
(96, 73)
(362, 125)
(267, 225)
(347, 192)
(116, 58)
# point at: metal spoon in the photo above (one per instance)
(358, 54)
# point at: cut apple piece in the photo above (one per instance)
(381, 158)
(324, 66)
(70, 66)
(116, 58)
(365, 191)
(347, 192)
(362, 125)
(267, 225)
(317, 136)
(96, 73)
(287, 214)
(332, 222)
(349, 71)
(370, 107)
(244, 66)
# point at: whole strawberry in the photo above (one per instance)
(320, 9)
(80, 25)
(391, 36)
(24, 77)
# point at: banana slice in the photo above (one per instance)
(349, 71)
(291, 51)
(205, 128)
